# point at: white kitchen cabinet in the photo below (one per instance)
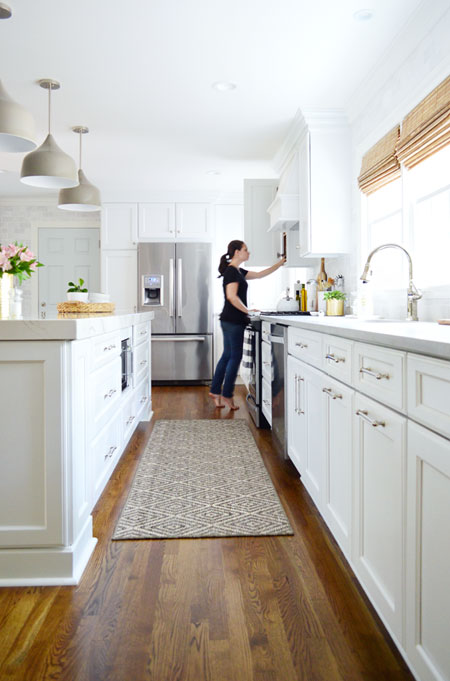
(119, 279)
(379, 507)
(296, 441)
(262, 244)
(325, 187)
(428, 554)
(429, 392)
(119, 226)
(337, 459)
(167, 221)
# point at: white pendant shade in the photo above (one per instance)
(85, 197)
(16, 125)
(49, 167)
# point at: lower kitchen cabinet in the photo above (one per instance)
(379, 507)
(296, 439)
(428, 554)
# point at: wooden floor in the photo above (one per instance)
(233, 609)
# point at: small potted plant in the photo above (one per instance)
(76, 292)
(335, 303)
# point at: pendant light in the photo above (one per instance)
(48, 166)
(85, 197)
(16, 123)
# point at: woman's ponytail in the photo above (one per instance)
(233, 246)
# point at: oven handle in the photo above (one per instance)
(276, 339)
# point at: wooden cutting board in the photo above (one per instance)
(444, 321)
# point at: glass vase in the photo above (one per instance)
(15, 301)
(6, 285)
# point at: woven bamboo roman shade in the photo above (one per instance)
(426, 129)
(380, 164)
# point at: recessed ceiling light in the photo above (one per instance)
(213, 172)
(5, 11)
(224, 86)
(363, 15)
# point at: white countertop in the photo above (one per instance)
(426, 338)
(68, 327)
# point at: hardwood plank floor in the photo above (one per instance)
(229, 609)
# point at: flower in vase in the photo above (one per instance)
(18, 260)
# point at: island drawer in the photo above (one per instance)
(105, 391)
(105, 348)
(141, 333)
(337, 357)
(380, 373)
(141, 361)
(429, 392)
(306, 345)
(105, 448)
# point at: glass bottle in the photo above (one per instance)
(297, 294)
(322, 277)
(303, 303)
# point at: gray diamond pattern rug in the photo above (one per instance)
(201, 478)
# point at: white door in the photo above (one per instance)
(68, 255)
(428, 554)
(379, 501)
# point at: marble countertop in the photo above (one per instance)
(68, 326)
(426, 338)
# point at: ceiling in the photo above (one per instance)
(139, 73)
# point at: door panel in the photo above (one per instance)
(159, 259)
(68, 254)
(193, 288)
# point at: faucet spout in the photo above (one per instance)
(413, 295)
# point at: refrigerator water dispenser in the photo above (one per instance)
(152, 289)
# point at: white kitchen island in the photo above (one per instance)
(65, 420)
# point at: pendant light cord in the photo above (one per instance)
(81, 136)
(49, 109)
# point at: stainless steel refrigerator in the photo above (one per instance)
(174, 281)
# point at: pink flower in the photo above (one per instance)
(11, 250)
(26, 255)
(5, 264)
(33, 267)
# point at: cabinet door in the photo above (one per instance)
(263, 245)
(313, 406)
(428, 554)
(337, 495)
(379, 502)
(119, 225)
(193, 221)
(296, 414)
(119, 279)
(156, 221)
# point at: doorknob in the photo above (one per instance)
(43, 304)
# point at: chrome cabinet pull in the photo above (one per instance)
(110, 453)
(300, 410)
(110, 393)
(301, 345)
(335, 359)
(143, 363)
(333, 395)
(144, 399)
(365, 417)
(376, 375)
(295, 394)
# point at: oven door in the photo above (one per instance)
(254, 361)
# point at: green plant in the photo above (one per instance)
(334, 295)
(76, 288)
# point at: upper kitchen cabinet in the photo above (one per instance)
(324, 186)
(167, 221)
(263, 245)
(119, 226)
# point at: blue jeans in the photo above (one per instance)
(228, 365)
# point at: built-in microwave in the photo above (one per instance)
(126, 356)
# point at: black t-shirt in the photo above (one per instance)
(229, 312)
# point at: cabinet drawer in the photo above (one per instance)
(142, 396)
(129, 416)
(106, 449)
(429, 392)
(267, 400)
(337, 357)
(380, 373)
(104, 348)
(141, 361)
(141, 333)
(306, 345)
(105, 391)
(266, 358)
(265, 331)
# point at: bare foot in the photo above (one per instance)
(217, 400)
(230, 403)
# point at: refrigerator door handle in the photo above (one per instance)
(180, 287)
(177, 339)
(171, 286)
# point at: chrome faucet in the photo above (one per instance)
(413, 294)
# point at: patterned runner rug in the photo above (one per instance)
(201, 478)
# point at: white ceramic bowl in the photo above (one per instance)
(99, 298)
(77, 296)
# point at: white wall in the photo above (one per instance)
(416, 63)
(20, 220)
